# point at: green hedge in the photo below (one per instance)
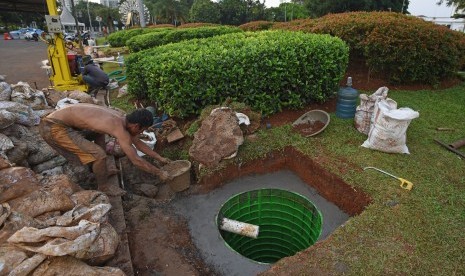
(256, 26)
(406, 48)
(119, 38)
(150, 40)
(266, 70)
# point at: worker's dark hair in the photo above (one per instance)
(141, 116)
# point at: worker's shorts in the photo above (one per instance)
(69, 142)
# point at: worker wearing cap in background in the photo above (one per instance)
(95, 77)
(63, 131)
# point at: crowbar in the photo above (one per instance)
(404, 183)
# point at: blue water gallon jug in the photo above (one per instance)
(346, 101)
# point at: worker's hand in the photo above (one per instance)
(165, 176)
(165, 161)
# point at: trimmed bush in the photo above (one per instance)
(196, 25)
(150, 40)
(266, 70)
(406, 48)
(256, 26)
(119, 38)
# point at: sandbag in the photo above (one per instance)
(71, 266)
(4, 161)
(388, 132)
(5, 91)
(5, 143)
(7, 118)
(28, 265)
(97, 214)
(364, 111)
(16, 182)
(5, 211)
(10, 257)
(90, 198)
(25, 94)
(80, 96)
(25, 115)
(103, 248)
(15, 222)
(41, 201)
(218, 137)
(57, 241)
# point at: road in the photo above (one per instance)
(20, 60)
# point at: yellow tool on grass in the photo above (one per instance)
(404, 183)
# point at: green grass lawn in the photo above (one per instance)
(417, 232)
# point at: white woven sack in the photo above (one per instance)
(388, 131)
(364, 112)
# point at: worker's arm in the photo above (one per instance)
(147, 150)
(125, 142)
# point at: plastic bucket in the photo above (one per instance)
(180, 170)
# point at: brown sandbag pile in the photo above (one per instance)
(52, 217)
(218, 137)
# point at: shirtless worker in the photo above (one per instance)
(64, 130)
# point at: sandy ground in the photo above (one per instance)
(20, 60)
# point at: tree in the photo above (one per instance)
(204, 11)
(170, 11)
(237, 12)
(286, 12)
(318, 8)
(459, 7)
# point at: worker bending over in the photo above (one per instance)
(70, 129)
(95, 77)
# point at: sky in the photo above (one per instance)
(416, 7)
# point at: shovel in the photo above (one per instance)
(404, 183)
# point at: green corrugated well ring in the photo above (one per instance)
(288, 223)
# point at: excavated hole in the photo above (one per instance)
(191, 242)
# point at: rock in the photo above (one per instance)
(218, 137)
(148, 190)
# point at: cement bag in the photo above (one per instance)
(24, 114)
(103, 248)
(5, 91)
(7, 118)
(16, 182)
(42, 201)
(71, 266)
(389, 129)
(28, 265)
(10, 257)
(57, 241)
(97, 214)
(364, 111)
(90, 198)
(15, 222)
(24, 94)
(5, 211)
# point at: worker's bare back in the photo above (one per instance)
(91, 117)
